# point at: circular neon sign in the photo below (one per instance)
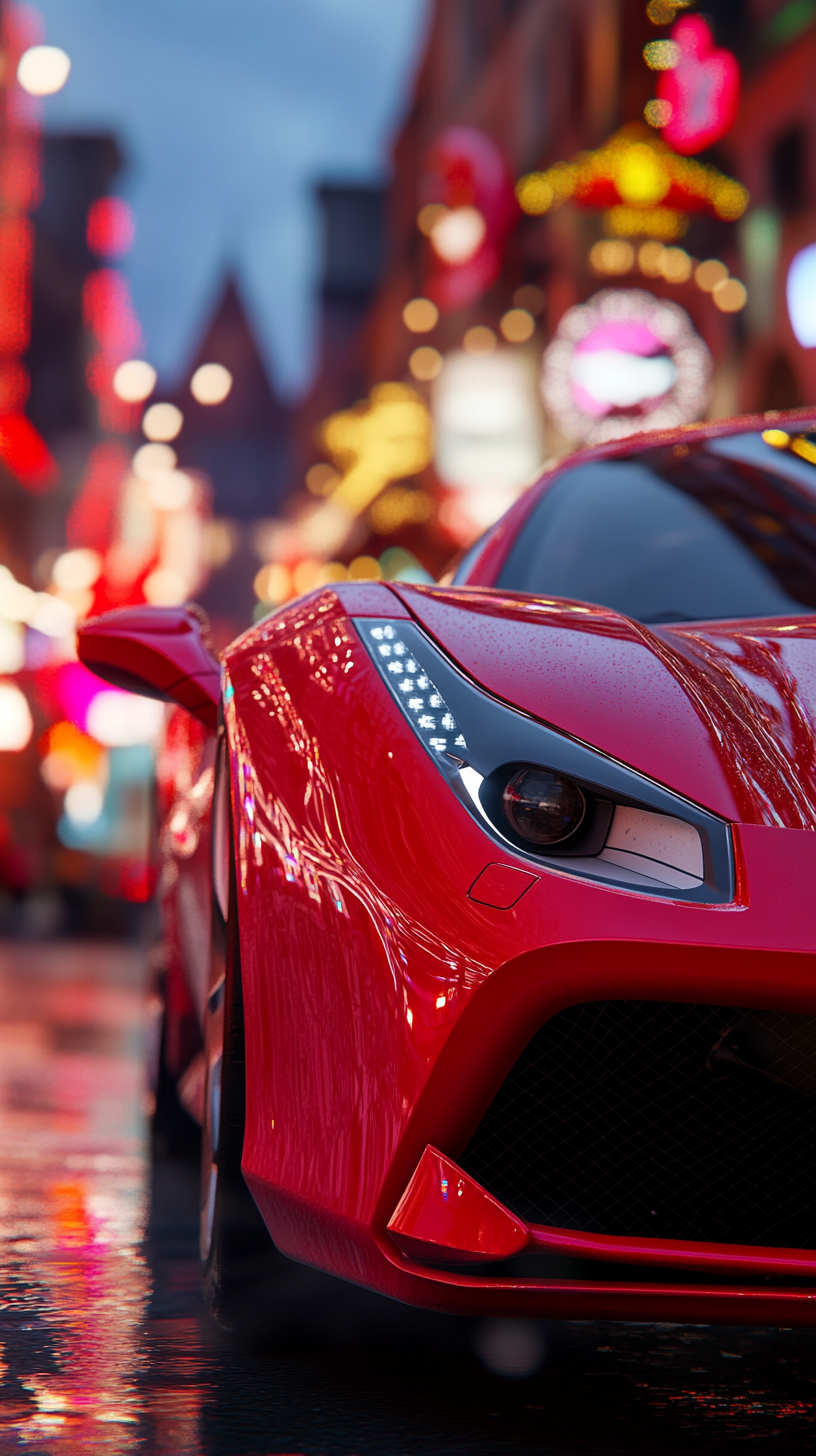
(623, 362)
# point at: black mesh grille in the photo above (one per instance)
(612, 1122)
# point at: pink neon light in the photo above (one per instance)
(702, 89)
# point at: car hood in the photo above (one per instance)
(722, 713)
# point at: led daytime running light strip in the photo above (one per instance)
(408, 682)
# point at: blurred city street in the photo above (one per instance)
(106, 1345)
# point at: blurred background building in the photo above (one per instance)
(600, 217)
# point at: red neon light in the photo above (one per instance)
(16, 249)
(702, 89)
(109, 313)
(24, 452)
(110, 227)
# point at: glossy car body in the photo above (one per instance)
(400, 954)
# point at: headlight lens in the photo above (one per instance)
(543, 807)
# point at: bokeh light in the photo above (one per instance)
(76, 570)
(425, 363)
(153, 457)
(211, 384)
(420, 315)
(16, 723)
(43, 70)
(479, 340)
(162, 422)
(458, 234)
(709, 273)
(730, 295)
(517, 325)
(134, 380)
(321, 478)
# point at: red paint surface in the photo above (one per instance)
(445, 1216)
(500, 886)
(384, 1007)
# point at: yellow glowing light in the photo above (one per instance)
(642, 168)
(804, 449)
(220, 541)
(211, 384)
(134, 380)
(429, 216)
(612, 255)
(425, 363)
(643, 179)
(658, 113)
(43, 70)
(321, 478)
(420, 315)
(165, 587)
(162, 422)
(458, 234)
(535, 194)
(479, 340)
(16, 722)
(675, 265)
(273, 584)
(708, 274)
(655, 222)
(517, 325)
(152, 458)
(386, 439)
(77, 570)
(398, 507)
(730, 295)
(661, 55)
(779, 438)
(306, 576)
(650, 257)
(365, 568)
(332, 572)
(730, 199)
(662, 12)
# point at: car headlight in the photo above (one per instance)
(549, 798)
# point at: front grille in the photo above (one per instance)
(611, 1122)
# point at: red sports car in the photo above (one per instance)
(512, 1000)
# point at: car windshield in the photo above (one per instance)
(721, 529)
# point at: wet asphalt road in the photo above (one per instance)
(105, 1345)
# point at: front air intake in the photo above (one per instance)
(659, 1120)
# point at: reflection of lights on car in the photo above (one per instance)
(16, 723)
(162, 422)
(211, 384)
(43, 70)
(420, 315)
(622, 362)
(134, 380)
(457, 234)
(801, 296)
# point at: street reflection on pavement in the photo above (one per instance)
(105, 1345)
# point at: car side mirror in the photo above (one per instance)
(159, 652)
